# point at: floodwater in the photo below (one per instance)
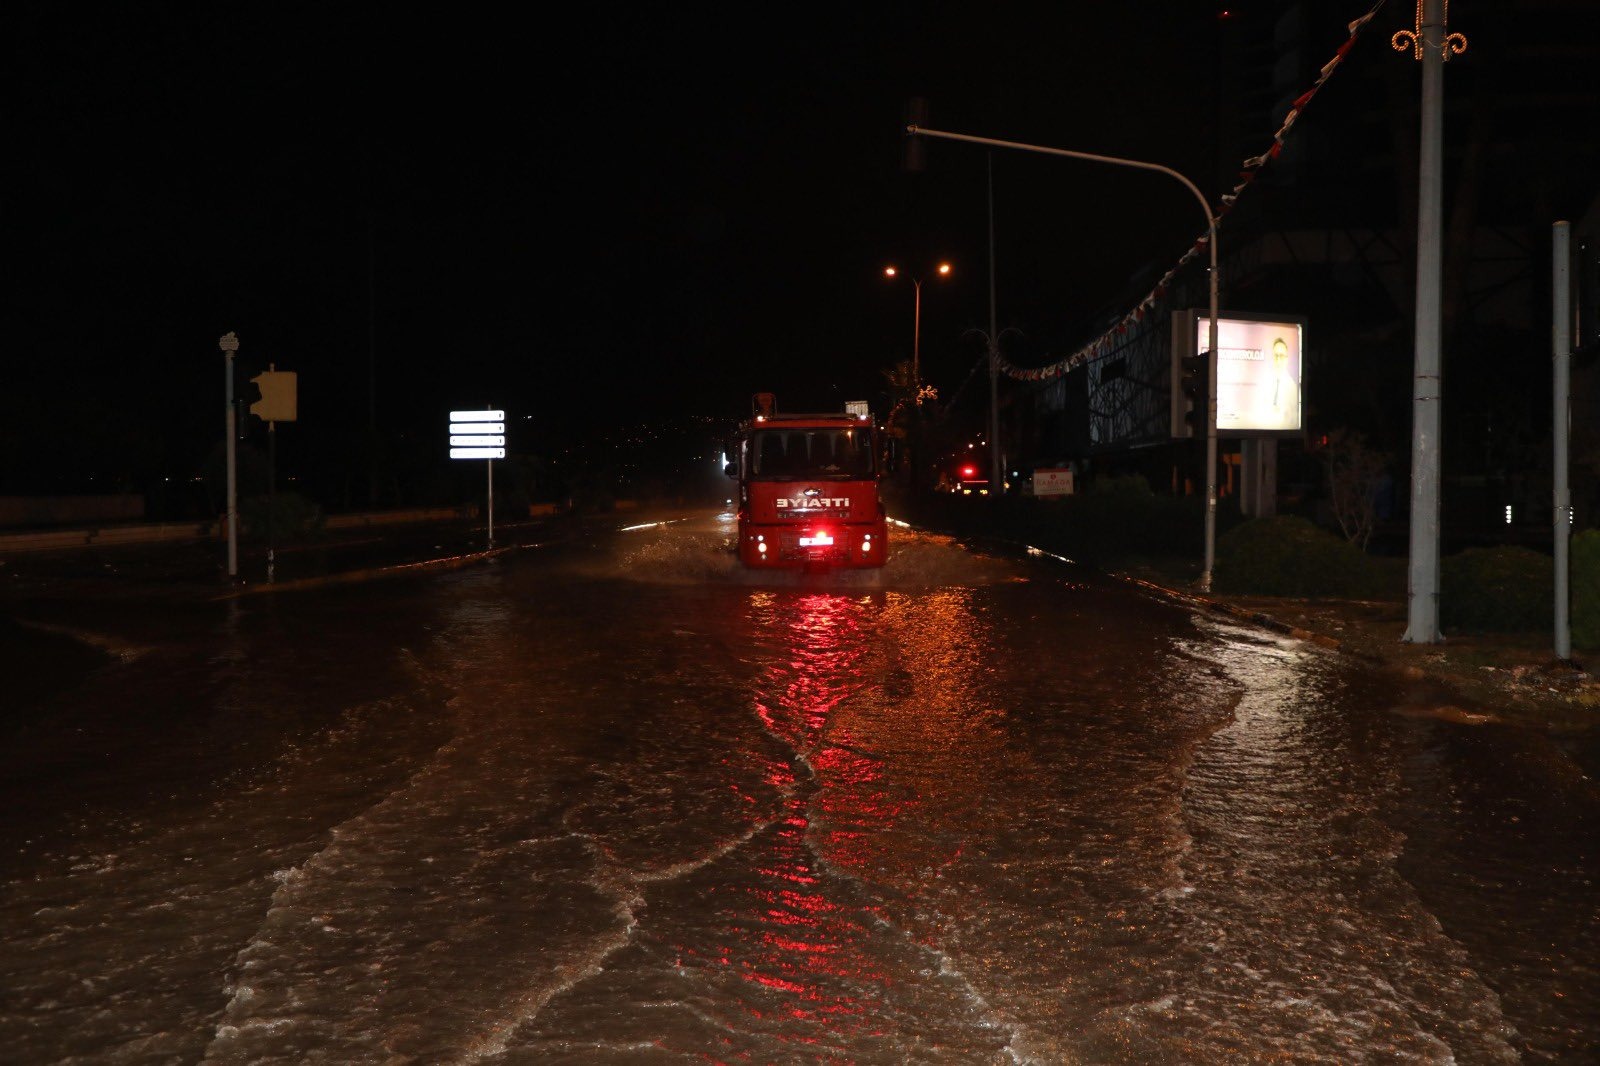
(622, 802)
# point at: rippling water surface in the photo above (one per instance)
(628, 803)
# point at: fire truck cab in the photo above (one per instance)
(808, 491)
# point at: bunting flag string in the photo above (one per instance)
(1111, 338)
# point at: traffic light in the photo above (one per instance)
(246, 394)
(278, 401)
(1195, 388)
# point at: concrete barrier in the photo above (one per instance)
(62, 539)
(79, 510)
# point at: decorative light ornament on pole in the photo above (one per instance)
(480, 435)
(943, 271)
(1429, 44)
(1211, 244)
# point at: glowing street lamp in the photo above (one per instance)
(943, 271)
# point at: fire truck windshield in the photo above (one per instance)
(811, 453)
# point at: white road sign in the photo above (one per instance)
(478, 435)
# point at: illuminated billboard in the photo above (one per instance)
(1258, 371)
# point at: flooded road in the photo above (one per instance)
(620, 802)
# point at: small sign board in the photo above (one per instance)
(279, 396)
(1259, 363)
(1052, 481)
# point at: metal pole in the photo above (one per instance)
(1561, 320)
(1422, 609)
(916, 341)
(1211, 239)
(372, 364)
(272, 497)
(997, 482)
(1211, 418)
(229, 345)
(491, 504)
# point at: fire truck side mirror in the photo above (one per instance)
(732, 470)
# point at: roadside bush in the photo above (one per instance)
(292, 514)
(1289, 556)
(1585, 575)
(1497, 590)
(1125, 486)
(1113, 524)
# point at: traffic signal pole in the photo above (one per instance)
(1211, 242)
(997, 471)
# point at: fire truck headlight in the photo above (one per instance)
(762, 548)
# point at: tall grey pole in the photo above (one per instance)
(372, 365)
(997, 482)
(229, 345)
(1211, 418)
(1422, 610)
(1211, 241)
(916, 339)
(1561, 345)
(490, 538)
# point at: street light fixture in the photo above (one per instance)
(1211, 244)
(943, 270)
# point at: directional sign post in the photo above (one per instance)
(479, 435)
(279, 403)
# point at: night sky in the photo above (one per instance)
(586, 219)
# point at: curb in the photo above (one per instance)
(1192, 599)
(1266, 621)
(350, 577)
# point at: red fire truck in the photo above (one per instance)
(808, 491)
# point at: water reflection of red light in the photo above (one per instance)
(809, 948)
(853, 765)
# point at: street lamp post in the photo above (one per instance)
(916, 322)
(1211, 244)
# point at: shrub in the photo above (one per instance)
(1124, 486)
(1497, 590)
(293, 515)
(1585, 575)
(1289, 556)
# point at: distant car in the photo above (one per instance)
(969, 482)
